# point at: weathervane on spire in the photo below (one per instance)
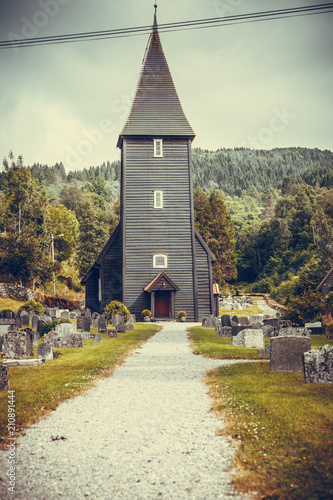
(155, 17)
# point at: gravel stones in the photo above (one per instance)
(146, 432)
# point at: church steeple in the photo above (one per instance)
(156, 109)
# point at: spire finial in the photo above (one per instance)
(155, 16)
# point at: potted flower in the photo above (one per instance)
(146, 315)
(181, 316)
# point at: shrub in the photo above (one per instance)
(3, 311)
(307, 307)
(49, 326)
(264, 286)
(181, 314)
(32, 305)
(117, 307)
(146, 313)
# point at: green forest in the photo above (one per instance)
(267, 216)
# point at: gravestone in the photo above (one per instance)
(4, 378)
(287, 353)
(236, 329)
(86, 323)
(318, 365)
(294, 332)
(208, 322)
(8, 315)
(265, 352)
(36, 337)
(117, 318)
(25, 319)
(16, 345)
(4, 329)
(34, 321)
(97, 339)
(224, 331)
(225, 320)
(129, 326)
(30, 341)
(87, 313)
(269, 331)
(79, 322)
(235, 319)
(40, 325)
(254, 318)
(94, 315)
(95, 322)
(65, 314)
(86, 335)
(257, 325)
(112, 334)
(54, 339)
(132, 318)
(102, 323)
(239, 339)
(121, 328)
(316, 328)
(274, 322)
(18, 321)
(254, 338)
(74, 341)
(243, 321)
(45, 351)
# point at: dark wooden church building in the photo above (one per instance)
(155, 259)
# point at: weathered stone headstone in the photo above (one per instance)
(294, 332)
(274, 322)
(238, 339)
(34, 321)
(318, 365)
(121, 328)
(4, 329)
(316, 328)
(4, 378)
(97, 338)
(95, 322)
(225, 320)
(18, 321)
(45, 351)
(8, 315)
(86, 323)
(224, 331)
(129, 326)
(257, 325)
(30, 342)
(112, 334)
(36, 337)
(243, 321)
(79, 322)
(25, 319)
(102, 323)
(74, 341)
(86, 335)
(256, 318)
(269, 331)
(16, 345)
(65, 314)
(208, 322)
(287, 353)
(54, 339)
(87, 313)
(254, 338)
(265, 352)
(132, 318)
(117, 318)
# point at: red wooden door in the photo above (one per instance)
(162, 304)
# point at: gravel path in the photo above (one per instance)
(143, 433)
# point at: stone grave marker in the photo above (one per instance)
(18, 321)
(45, 351)
(4, 378)
(269, 331)
(102, 323)
(97, 338)
(8, 315)
(238, 339)
(132, 318)
(254, 338)
(79, 322)
(117, 318)
(265, 352)
(40, 325)
(224, 331)
(87, 313)
(16, 345)
(316, 328)
(243, 321)
(237, 329)
(129, 326)
(34, 321)
(86, 323)
(25, 319)
(287, 353)
(225, 320)
(234, 319)
(256, 318)
(274, 322)
(65, 314)
(112, 334)
(74, 341)
(95, 322)
(121, 328)
(294, 332)
(318, 365)
(54, 339)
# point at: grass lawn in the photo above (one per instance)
(284, 428)
(242, 312)
(12, 304)
(40, 389)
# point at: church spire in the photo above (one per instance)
(155, 17)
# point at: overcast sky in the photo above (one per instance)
(259, 85)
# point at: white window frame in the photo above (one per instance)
(156, 256)
(158, 145)
(156, 205)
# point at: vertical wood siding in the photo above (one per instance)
(149, 231)
(112, 272)
(92, 299)
(203, 281)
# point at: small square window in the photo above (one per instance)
(158, 199)
(158, 148)
(160, 261)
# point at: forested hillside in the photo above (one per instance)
(267, 215)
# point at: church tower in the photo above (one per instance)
(155, 259)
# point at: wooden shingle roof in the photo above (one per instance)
(156, 109)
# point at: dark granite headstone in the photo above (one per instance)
(86, 323)
(225, 320)
(102, 323)
(235, 319)
(236, 329)
(287, 353)
(18, 321)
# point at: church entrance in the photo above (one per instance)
(162, 304)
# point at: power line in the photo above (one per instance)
(171, 27)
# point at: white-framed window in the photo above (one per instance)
(158, 199)
(160, 261)
(158, 148)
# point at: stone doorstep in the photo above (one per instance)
(22, 362)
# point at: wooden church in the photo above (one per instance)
(155, 259)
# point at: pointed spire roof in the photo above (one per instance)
(156, 109)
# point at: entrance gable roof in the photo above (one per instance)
(157, 283)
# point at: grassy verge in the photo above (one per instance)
(40, 389)
(205, 342)
(284, 428)
(12, 304)
(242, 312)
